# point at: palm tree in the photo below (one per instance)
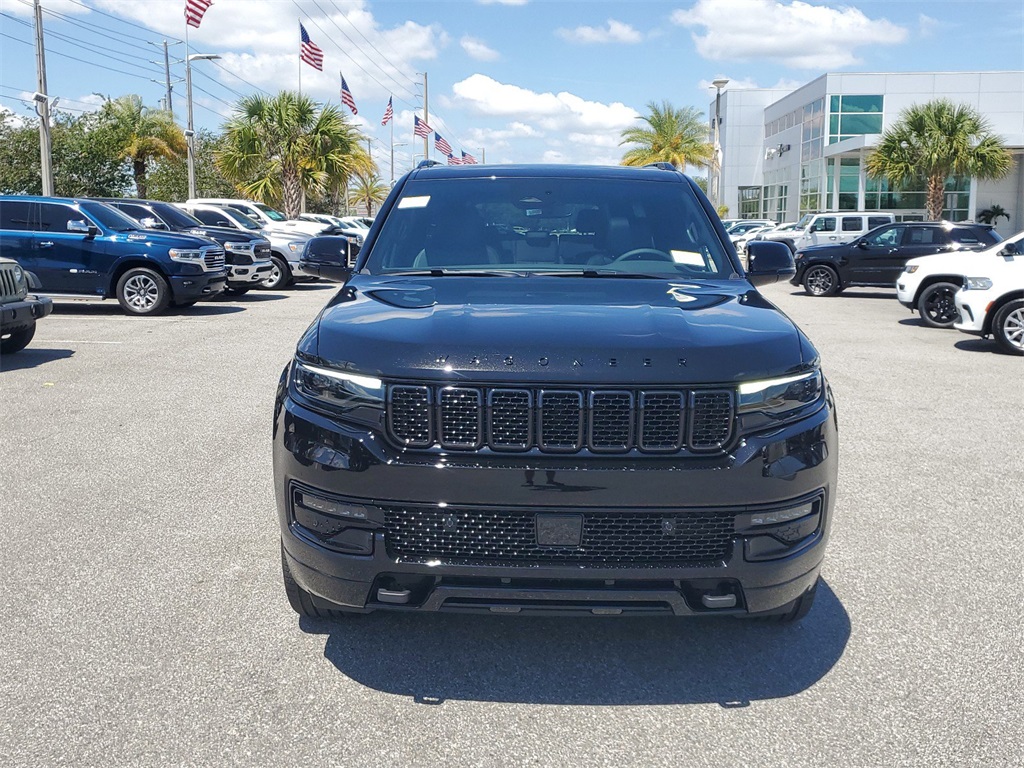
(992, 214)
(144, 134)
(369, 190)
(935, 141)
(278, 149)
(676, 136)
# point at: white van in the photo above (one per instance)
(835, 228)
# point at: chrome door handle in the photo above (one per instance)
(46, 244)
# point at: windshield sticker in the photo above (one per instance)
(420, 201)
(688, 257)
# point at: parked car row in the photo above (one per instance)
(148, 255)
(954, 275)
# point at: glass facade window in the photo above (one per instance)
(853, 116)
(750, 202)
(879, 196)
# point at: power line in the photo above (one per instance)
(108, 15)
(238, 77)
(110, 35)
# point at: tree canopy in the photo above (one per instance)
(144, 134)
(935, 141)
(676, 136)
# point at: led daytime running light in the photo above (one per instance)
(753, 387)
(367, 382)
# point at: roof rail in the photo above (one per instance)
(427, 164)
(662, 165)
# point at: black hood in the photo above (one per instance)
(556, 329)
(223, 234)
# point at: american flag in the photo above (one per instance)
(453, 160)
(388, 113)
(194, 10)
(441, 145)
(468, 159)
(310, 52)
(420, 127)
(346, 96)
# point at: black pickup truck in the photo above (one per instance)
(554, 389)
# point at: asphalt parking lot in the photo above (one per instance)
(145, 622)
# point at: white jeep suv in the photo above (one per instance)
(992, 302)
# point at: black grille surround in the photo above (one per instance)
(648, 539)
(560, 419)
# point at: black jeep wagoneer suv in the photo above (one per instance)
(553, 389)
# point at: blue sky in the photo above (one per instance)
(525, 80)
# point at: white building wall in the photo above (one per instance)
(748, 161)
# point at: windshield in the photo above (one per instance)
(240, 219)
(174, 216)
(804, 220)
(569, 225)
(109, 217)
(271, 213)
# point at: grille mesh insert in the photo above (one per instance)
(462, 536)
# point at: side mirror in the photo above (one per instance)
(862, 244)
(768, 261)
(83, 227)
(337, 273)
(1008, 251)
(152, 223)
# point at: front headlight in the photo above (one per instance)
(977, 284)
(19, 275)
(780, 397)
(336, 388)
(179, 254)
(239, 247)
(910, 269)
(296, 246)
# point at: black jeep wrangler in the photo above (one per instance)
(554, 389)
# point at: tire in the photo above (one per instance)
(821, 280)
(18, 339)
(1008, 327)
(299, 599)
(229, 291)
(796, 610)
(936, 305)
(142, 291)
(280, 274)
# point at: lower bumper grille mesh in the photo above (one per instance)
(468, 537)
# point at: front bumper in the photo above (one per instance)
(18, 314)
(971, 310)
(357, 467)
(249, 274)
(202, 286)
(905, 292)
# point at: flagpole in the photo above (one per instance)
(392, 121)
(300, 60)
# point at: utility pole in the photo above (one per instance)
(42, 100)
(168, 102)
(167, 76)
(426, 115)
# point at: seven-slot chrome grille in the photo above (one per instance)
(560, 420)
(213, 258)
(609, 539)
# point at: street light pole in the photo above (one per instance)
(393, 145)
(716, 182)
(190, 134)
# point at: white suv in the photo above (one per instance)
(264, 215)
(928, 283)
(992, 303)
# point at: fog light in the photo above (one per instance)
(329, 507)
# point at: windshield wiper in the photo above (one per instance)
(605, 273)
(438, 272)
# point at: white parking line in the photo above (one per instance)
(70, 341)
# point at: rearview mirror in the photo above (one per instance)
(768, 261)
(150, 222)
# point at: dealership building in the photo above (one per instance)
(790, 152)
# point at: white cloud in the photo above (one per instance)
(17, 8)
(12, 118)
(271, 30)
(615, 32)
(797, 34)
(562, 112)
(746, 83)
(926, 25)
(478, 49)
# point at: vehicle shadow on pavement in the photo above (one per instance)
(32, 357)
(854, 292)
(249, 298)
(979, 345)
(434, 658)
(112, 309)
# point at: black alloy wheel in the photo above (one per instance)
(821, 280)
(936, 305)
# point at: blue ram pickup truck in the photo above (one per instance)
(83, 249)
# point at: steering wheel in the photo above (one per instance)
(642, 254)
